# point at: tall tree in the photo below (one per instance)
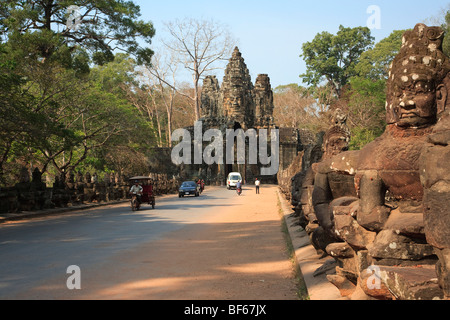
(14, 114)
(162, 72)
(296, 107)
(62, 115)
(98, 26)
(199, 45)
(73, 117)
(333, 57)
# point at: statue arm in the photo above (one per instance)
(372, 191)
(373, 212)
(322, 198)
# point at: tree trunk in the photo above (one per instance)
(158, 123)
(48, 6)
(196, 93)
(169, 122)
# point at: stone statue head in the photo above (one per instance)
(237, 98)
(210, 97)
(337, 138)
(37, 175)
(24, 175)
(234, 102)
(416, 91)
(336, 141)
(71, 177)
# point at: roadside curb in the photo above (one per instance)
(319, 288)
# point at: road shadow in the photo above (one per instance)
(225, 261)
(122, 257)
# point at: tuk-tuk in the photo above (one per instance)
(147, 186)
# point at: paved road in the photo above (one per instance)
(150, 254)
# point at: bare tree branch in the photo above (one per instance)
(198, 45)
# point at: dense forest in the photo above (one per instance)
(82, 90)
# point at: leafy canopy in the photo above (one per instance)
(374, 63)
(104, 26)
(333, 57)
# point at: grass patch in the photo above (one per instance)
(302, 290)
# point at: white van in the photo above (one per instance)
(233, 179)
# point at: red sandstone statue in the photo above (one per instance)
(372, 200)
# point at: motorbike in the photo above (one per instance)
(135, 206)
(201, 186)
(147, 196)
(239, 191)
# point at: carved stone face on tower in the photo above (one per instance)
(238, 103)
(237, 99)
(210, 98)
(415, 84)
(264, 101)
(237, 90)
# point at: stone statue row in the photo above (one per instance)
(383, 212)
(33, 194)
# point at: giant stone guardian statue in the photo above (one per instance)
(372, 200)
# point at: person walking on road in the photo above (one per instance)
(257, 184)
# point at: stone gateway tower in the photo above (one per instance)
(238, 92)
(263, 101)
(238, 103)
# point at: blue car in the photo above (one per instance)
(189, 188)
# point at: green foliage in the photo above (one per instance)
(56, 112)
(374, 63)
(110, 77)
(365, 95)
(366, 89)
(104, 26)
(362, 136)
(348, 71)
(366, 110)
(333, 57)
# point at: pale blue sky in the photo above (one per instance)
(271, 33)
